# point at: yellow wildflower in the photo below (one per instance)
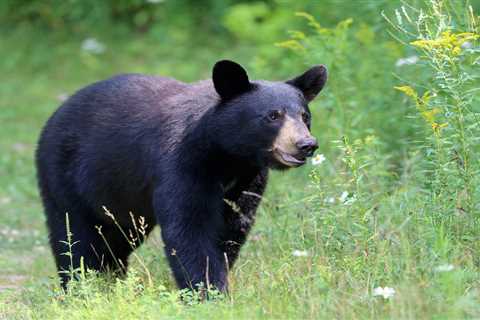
(456, 51)
(438, 126)
(311, 21)
(426, 97)
(446, 41)
(294, 45)
(297, 35)
(409, 91)
(429, 115)
(370, 139)
(421, 103)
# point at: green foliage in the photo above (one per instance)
(394, 204)
(257, 22)
(449, 107)
(137, 15)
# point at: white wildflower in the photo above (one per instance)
(92, 45)
(385, 292)
(343, 197)
(399, 17)
(350, 200)
(330, 200)
(318, 159)
(5, 200)
(467, 45)
(154, 1)
(406, 61)
(300, 253)
(444, 268)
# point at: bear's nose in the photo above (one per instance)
(307, 146)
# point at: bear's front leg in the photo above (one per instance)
(192, 224)
(240, 208)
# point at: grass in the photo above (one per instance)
(392, 205)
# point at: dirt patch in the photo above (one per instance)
(12, 282)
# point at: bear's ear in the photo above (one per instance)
(311, 82)
(229, 79)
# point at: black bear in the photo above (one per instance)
(193, 158)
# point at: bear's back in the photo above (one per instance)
(95, 142)
(135, 105)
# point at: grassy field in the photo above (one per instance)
(395, 204)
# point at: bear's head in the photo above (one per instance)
(266, 123)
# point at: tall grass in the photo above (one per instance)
(445, 35)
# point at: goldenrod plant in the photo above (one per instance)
(446, 39)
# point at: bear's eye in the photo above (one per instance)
(275, 115)
(305, 117)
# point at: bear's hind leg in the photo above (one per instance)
(102, 248)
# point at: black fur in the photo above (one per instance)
(311, 82)
(193, 158)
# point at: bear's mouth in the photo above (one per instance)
(288, 159)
